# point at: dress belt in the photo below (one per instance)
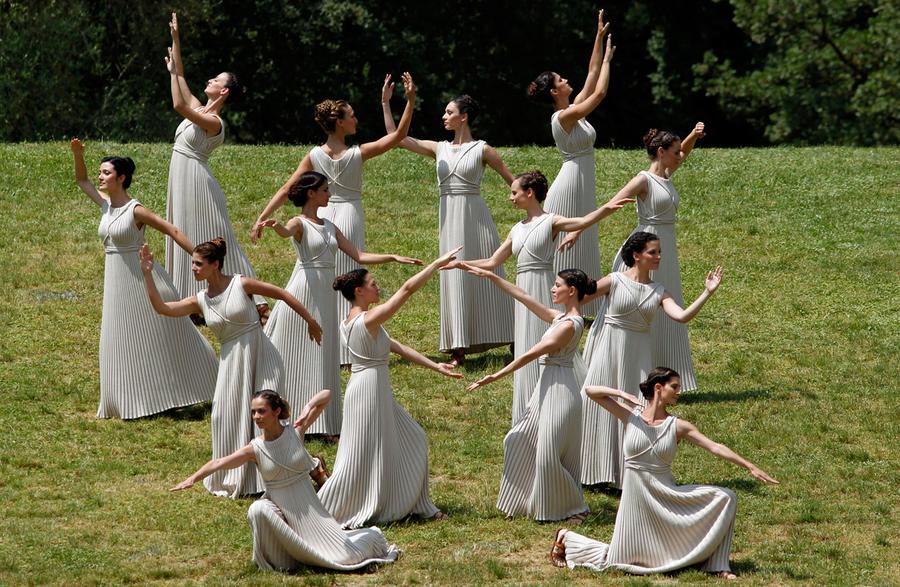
(647, 467)
(363, 365)
(655, 222)
(120, 250)
(450, 191)
(345, 198)
(526, 266)
(245, 328)
(626, 324)
(316, 264)
(556, 361)
(579, 155)
(201, 157)
(282, 483)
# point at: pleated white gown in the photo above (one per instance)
(310, 367)
(541, 453)
(533, 247)
(475, 315)
(344, 209)
(621, 359)
(573, 193)
(196, 205)
(381, 468)
(660, 526)
(248, 363)
(657, 214)
(148, 363)
(292, 528)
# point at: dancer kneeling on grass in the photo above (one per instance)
(660, 526)
(290, 526)
(248, 360)
(542, 451)
(381, 468)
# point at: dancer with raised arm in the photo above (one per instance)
(657, 210)
(195, 202)
(290, 527)
(247, 362)
(381, 468)
(474, 315)
(660, 526)
(147, 364)
(533, 242)
(623, 355)
(542, 451)
(310, 367)
(343, 166)
(573, 192)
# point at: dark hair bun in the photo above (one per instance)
(236, 89)
(649, 137)
(348, 282)
(535, 181)
(328, 112)
(468, 106)
(539, 89)
(591, 288)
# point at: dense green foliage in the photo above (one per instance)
(798, 71)
(795, 355)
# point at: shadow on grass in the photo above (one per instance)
(477, 363)
(744, 485)
(193, 413)
(703, 397)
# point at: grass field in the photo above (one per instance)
(797, 358)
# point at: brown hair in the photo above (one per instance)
(654, 139)
(213, 250)
(275, 401)
(539, 89)
(579, 280)
(348, 282)
(661, 375)
(534, 181)
(328, 112)
(636, 243)
(298, 193)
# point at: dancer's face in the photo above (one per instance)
(348, 122)
(649, 257)
(368, 292)
(452, 118)
(669, 392)
(672, 157)
(262, 413)
(108, 179)
(202, 268)
(215, 86)
(561, 291)
(518, 196)
(320, 196)
(561, 85)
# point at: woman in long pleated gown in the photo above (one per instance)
(195, 202)
(311, 367)
(343, 166)
(623, 356)
(289, 525)
(657, 208)
(660, 526)
(474, 316)
(533, 242)
(148, 364)
(381, 468)
(248, 362)
(542, 451)
(573, 191)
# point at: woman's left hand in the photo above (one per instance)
(186, 484)
(569, 242)
(714, 279)
(315, 331)
(406, 260)
(476, 271)
(409, 88)
(699, 130)
(173, 27)
(146, 259)
(481, 382)
(302, 421)
(446, 369)
(387, 90)
(762, 475)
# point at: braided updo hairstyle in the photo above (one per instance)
(275, 401)
(212, 251)
(636, 243)
(124, 166)
(654, 139)
(298, 193)
(535, 181)
(579, 280)
(467, 105)
(661, 375)
(236, 89)
(539, 89)
(328, 112)
(348, 282)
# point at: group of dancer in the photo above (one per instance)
(596, 418)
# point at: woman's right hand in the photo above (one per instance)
(387, 90)
(173, 27)
(256, 231)
(714, 279)
(146, 259)
(446, 257)
(476, 271)
(762, 475)
(602, 28)
(610, 49)
(77, 147)
(186, 484)
(409, 88)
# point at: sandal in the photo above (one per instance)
(558, 550)
(263, 311)
(320, 473)
(457, 358)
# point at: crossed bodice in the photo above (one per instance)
(283, 461)
(192, 141)
(118, 231)
(579, 142)
(318, 247)
(564, 357)
(230, 314)
(632, 305)
(460, 168)
(344, 174)
(533, 245)
(647, 447)
(660, 205)
(366, 351)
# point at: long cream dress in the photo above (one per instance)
(381, 468)
(248, 363)
(196, 205)
(660, 526)
(311, 367)
(533, 247)
(621, 359)
(573, 194)
(345, 210)
(148, 363)
(542, 452)
(291, 527)
(475, 315)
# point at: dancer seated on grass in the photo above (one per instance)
(381, 468)
(290, 527)
(542, 451)
(247, 362)
(660, 526)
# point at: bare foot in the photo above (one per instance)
(558, 550)
(457, 358)
(725, 575)
(320, 473)
(439, 516)
(263, 311)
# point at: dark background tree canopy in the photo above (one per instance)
(757, 72)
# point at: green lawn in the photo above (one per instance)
(796, 358)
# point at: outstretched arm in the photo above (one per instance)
(312, 410)
(414, 356)
(605, 396)
(500, 255)
(562, 224)
(261, 288)
(175, 56)
(559, 337)
(575, 112)
(687, 145)
(239, 457)
(686, 430)
(679, 314)
(636, 188)
(427, 148)
(364, 258)
(144, 216)
(392, 139)
(596, 61)
(538, 309)
(81, 176)
(381, 314)
(493, 160)
(294, 228)
(280, 197)
(182, 100)
(184, 307)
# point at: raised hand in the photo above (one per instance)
(476, 271)
(407, 260)
(409, 88)
(387, 90)
(610, 49)
(447, 257)
(173, 27)
(256, 231)
(302, 420)
(619, 204)
(77, 147)
(699, 130)
(146, 259)
(714, 279)
(171, 62)
(602, 28)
